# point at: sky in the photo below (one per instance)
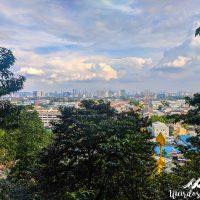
(103, 44)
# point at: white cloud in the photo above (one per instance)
(31, 71)
(104, 71)
(63, 67)
(181, 61)
(122, 7)
(108, 72)
(134, 62)
(195, 42)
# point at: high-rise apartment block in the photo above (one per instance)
(38, 93)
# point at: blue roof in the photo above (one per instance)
(184, 138)
(181, 143)
(167, 149)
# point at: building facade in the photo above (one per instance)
(48, 115)
(159, 127)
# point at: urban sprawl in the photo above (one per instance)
(149, 104)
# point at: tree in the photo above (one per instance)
(97, 153)
(8, 83)
(155, 118)
(22, 136)
(197, 32)
(8, 144)
(192, 151)
(134, 103)
(9, 115)
(193, 115)
(21, 144)
(31, 138)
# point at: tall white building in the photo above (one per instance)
(159, 127)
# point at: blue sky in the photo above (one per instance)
(103, 44)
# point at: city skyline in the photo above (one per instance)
(106, 44)
(99, 93)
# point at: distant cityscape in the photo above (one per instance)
(147, 103)
(102, 94)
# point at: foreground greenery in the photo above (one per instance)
(95, 153)
(21, 139)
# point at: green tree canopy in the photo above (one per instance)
(21, 143)
(22, 136)
(97, 153)
(155, 118)
(193, 115)
(8, 82)
(197, 32)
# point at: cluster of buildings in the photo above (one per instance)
(165, 107)
(147, 103)
(51, 113)
(75, 93)
(170, 107)
(175, 135)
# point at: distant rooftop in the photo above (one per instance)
(167, 149)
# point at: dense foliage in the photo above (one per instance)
(20, 143)
(22, 137)
(97, 154)
(157, 118)
(8, 83)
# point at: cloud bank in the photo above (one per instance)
(136, 45)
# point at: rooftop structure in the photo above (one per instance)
(48, 115)
(159, 127)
